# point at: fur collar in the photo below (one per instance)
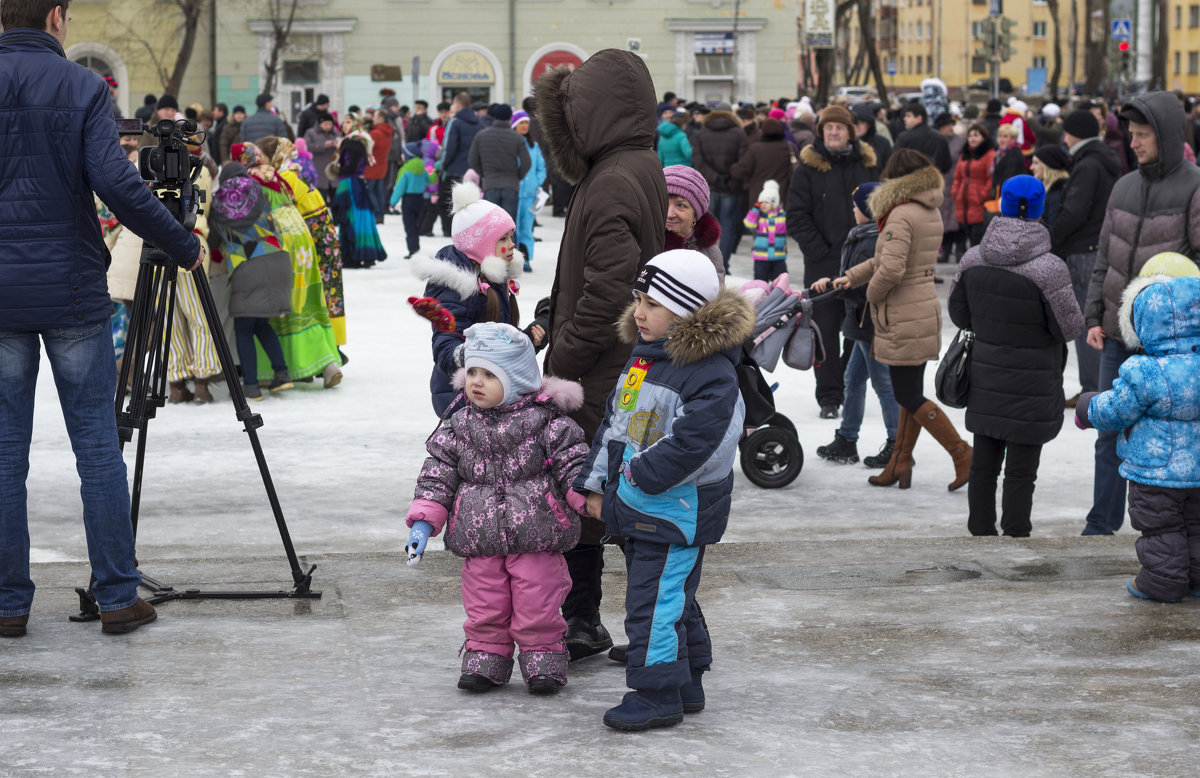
(1125, 312)
(716, 326)
(716, 116)
(552, 116)
(566, 396)
(464, 280)
(705, 235)
(913, 186)
(816, 160)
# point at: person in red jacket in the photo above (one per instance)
(376, 172)
(973, 182)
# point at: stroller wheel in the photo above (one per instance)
(771, 457)
(783, 422)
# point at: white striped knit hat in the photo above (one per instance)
(680, 280)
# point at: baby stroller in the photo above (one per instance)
(771, 454)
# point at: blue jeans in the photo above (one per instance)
(377, 190)
(1080, 268)
(506, 199)
(724, 208)
(1108, 487)
(859, 367)
(85, 374)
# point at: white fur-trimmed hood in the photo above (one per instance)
(465, 282)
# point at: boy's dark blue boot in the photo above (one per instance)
(692, 694)
(646, 709)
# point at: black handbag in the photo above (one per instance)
(952, 381)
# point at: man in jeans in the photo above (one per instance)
(1076, 230)
(60, 145)
(717, 147)
(1153, 209)
(501, 158)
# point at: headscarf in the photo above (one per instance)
(285, 156)
(256, 165)
(239, 202)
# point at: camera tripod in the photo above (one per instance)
(144, 369)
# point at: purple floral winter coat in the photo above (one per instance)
(499, 479)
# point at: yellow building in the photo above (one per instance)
(1183, 57)
(920, 39)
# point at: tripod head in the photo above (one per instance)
(171, 168)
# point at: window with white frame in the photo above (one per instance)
(1039, 30)
(1039, 62)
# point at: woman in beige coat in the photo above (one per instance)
(905, 306)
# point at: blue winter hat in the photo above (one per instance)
(1023, 197)
(861, 194)
(507, 353)
(412, 149)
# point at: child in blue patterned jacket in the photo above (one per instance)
(660, 473)
(1156, 401)
(769, 225)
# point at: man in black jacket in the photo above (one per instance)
(501, 158)
(819, 217)
(920, 136)
(864, 128)
(715, 149)
(419, 124)
(1076, 230)
(310, 115)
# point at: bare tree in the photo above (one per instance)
(158, 50)
(1095, 45)
(1056, 73)
(866, 23)
(827, 58)
(281, 13)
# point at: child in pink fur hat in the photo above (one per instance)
(474, 279)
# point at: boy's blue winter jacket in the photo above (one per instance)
(1156, 397)
(663, 456)
(455, 281)
(536, 175)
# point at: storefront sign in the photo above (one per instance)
(466, 68)
(713, 43)
(553, 60)
(818, 24)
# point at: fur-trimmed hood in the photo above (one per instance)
(605, 104)
(1167, 320)
(720, 120)
(455, 270)
(718, 325)
(925, 186)
(566, 396)
(816, 156)
(705, 235)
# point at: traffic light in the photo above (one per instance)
(1006, 39)
(987, 37)
(1123, 46)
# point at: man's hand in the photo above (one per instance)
(200, 258)
(1095, 337)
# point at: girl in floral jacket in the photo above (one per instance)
(498, 478)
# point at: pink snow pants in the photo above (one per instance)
(515, 599)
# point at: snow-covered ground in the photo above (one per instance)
(344, 460)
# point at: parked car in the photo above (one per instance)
(985, 85)
(856, 94)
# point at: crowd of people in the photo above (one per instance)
(633, 429)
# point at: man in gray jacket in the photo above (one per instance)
(1153, 209)
(501, 158)
(265, 123)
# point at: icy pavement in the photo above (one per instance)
(857, 630)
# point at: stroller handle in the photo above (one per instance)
(822, 296)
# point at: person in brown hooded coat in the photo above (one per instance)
(598, 125)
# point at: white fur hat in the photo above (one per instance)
(770, 192)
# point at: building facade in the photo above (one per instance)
(354, 50)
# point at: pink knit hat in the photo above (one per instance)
(689, 184)
(477, 225)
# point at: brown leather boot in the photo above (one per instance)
(899, 467)
(13, 626)
(180, 393)
(202, 396)
(934, 419)
(127, 619)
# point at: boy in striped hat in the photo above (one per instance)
(660, 473)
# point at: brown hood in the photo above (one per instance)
(925, 186)
(720, 120)
(605, 104)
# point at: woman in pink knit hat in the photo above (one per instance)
(474, 280)
(689, 224)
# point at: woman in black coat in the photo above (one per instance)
(1016, 296)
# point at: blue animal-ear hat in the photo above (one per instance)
(1023, 197)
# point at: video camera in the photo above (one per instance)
(169, 166)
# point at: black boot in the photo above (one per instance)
(841, 451)
(881, 459)
(586, 636)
